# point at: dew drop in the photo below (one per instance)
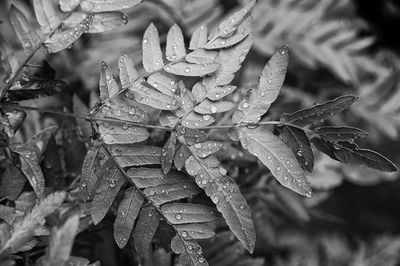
(145, 40)
(178, 216)
(184, 234)
(206, 117)
(214, 109)
(187, 69)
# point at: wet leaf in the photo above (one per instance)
(163, 83)
(277, 157)
(206, 148)
(257, 104)
(47, 14)
(181, 155)
(127, 71)
(167, 153)
(145, 229)
(336, 134)
(152, 55)
(134, 155)
(107, 5)
(68, 5)
(89, 173)
(184, 213)
(173, 191)
(191, 70)
(195, 231)
(199, 38)
(110, 184)
(297, 140)
(209, 107)
(175, 50)
(108, 85)
(151, 177)
(125, 134)
(193, 120)
(319, 112)
(128, 210)
(201, 56)
(226, 195)
(25, 33)
(107, 21)
(192, 255)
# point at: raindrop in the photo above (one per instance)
(145, 40)
(206, 117)
(245, 105)
(178, 217)
(214, 109)
(187, 69)
(184, 234)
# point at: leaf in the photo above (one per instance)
(226, 195)
(199, 38)
(319, 112)
(61, 241)
(36, 88)
(277, 157)
(191, 136)
(350, 153)
(108, 85)
(167, 153)
(184, 213)
(47, 14)
(107, 21)
(134, 155)
(297, 140)
(209, 107)
(244, 29)
(206, 148)
(149, 96)
(191, 70)
(110, 184)
(162, 83)
(219, 92)
(152, 55)
(128, 210)
(336, 134)
(26, 35)
(324, 146)
(84, 130)
(228, 26)
(68, 5)
(63, 39)
(107, 5)
(171, 192)
(122, 108)
(168, 119)
(145, 229)
(175, 49)
(125, 134)
(193, 120)
(24, 229)
(30, 167)
(181, 155)
(201, 56)
(12, 182)
(192, 255)
(9, 61)
(12, 120)
(185, 100)
(257, 104)
(127, 71)
(151, 177)
(195, 231)
(89, 172)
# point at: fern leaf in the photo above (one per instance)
(145, 229)
(209, 107)
(110, 184)
(227, 197)
(297, 140)
(26, 35)
(199, 38)
(170, 192)
(112, 134)
(253, 107)
(167, 153)
(201, 56)
(68, 5)
(151, 177)
(128, 210)
(149, 96)
(195, 231)
(127, 71)
(336, 134)
(47, 15)
(162, 83)
(185, 213)
(135, 155)
(108, 85)
(319, 112)
(61, 241)
(107, 21)
(107, 5)
(23, 229)
(277, 157)
(152, 55)
(191, 70)
(193, 120)
(244, 29)
(175, 49)
(63, 39)
(89, 171)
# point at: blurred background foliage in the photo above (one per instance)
(337, 47)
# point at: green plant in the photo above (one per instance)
(164, 179)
